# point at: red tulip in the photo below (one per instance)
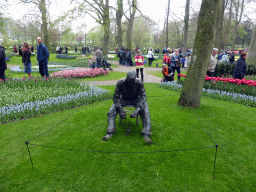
(244, 90)
(213, 83)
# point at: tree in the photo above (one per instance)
(119, 15)
(252, 49)
(167, 22)
(193, 85)
(41, 5)
(185, 33)
(239, 9)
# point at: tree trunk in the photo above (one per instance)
(106, 27)
(167, 21)
(185, 33)
(43, 10)
(192, 88)
(251, 56)
(219, 26)
(130, 25)
(229, 21)
(119, 15)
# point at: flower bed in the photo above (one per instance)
(216, 94)
(7, 59)
(80, 73)
(31, 97)
(66, 57)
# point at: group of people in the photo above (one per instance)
(125, 57)
(96, 57)
(42, 58)
(240, 69)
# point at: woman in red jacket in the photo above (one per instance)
(139, 59)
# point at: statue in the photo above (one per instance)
(129, 91)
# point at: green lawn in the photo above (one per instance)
(113, 75)
(160, 74)
(231, 125)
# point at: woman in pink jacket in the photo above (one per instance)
(139, 59)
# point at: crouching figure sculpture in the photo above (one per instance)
(130, 91)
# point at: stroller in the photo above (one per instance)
(105, 65)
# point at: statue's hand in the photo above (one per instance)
(122, 114)
(134, 114)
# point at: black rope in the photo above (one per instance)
(53, 126)
(193, 149)
(29, 154)
(205, 128)
(215, 160)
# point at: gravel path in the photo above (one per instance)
(147, 77)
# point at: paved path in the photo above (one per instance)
(147, 77)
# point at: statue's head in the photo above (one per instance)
(131, 76)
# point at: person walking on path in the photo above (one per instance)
(3, 65)
(213, 63)
(42, 58)
(150, 56)
(98, 54)
(26, 58)
(139, 59)
(175, 62)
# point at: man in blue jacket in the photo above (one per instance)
(42, 58)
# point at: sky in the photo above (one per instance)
(156, 10)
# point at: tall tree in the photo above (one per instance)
(185, 31)
(99, 11)
(192, 88)
(41, 5)
(130, 19)
(119, 15)
(252, 49)
(225, 40)
(239, 10)
(167, 24)
(218, 43)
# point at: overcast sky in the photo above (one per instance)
(155, 9)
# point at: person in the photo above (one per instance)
(26, 59)
(232, 58)
(187, 61)
(75, 48)
(139, 59)
(165, 59)
(129, 91)
(175, 62)
(219, 57)
(66, 49)
(150, 57)
(32, 49)
(3, 65)
(224, 58)
(98, 55)
(15, 49)
(42, 58)
(241, 66)
(182, 61)
(167, 72)
(20, 51)
(93, 60)
(129, 58)
(212, 63)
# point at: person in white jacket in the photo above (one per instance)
(150, 57)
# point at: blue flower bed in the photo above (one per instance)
(7, 58)
(66, 57)
(18, 69)
(216, 94)
(31, 109)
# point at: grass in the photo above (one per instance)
(160, 74)
(113, 75)
(231, 125)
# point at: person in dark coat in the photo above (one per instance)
(66, 49)
(32, 49)
(3, 65)
(20, 51)
(167, 72)
(232, 58)
(75, 48)
(15, 49)
(42, 58)
(241, 66)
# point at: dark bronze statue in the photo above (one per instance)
(130, 91)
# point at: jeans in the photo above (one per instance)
(2, 74)
(43, 69)
(98, 62)
(141, 72)
(178, 71)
